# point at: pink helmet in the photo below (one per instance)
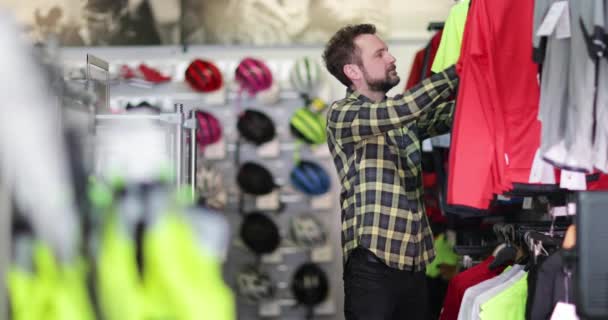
(253, 75)
(210, 130)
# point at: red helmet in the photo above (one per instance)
(203, 76)
(209, 129)
(253, 75)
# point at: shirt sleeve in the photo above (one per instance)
(359, 120)
(436, 121)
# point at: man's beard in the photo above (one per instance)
(382, 85)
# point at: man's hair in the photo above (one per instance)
(341, 50)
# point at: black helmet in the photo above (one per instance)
(255, 179)
(256, 127)
(259, 233)
(309, 285)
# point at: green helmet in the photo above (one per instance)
(308, 126)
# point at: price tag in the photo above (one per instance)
(275, 257)
(217, 97)
(327, 307)
(269, 309)
(559, 211)
(269, 149)
(215, 151)
(573, 180)
(321, 150)
(322, 254)
(426, 145)
(502, 198)
(268, 202)
(553, 17)
(564, 311)
(572, 208)
(321, 202)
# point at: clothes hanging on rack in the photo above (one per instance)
(554, 283)
(529, 289)
(571, 109)
(421, 67)
(448, 51)
(460, 283)
(495, 133)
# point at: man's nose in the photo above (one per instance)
(390, 58)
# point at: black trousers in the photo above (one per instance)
(374, 291)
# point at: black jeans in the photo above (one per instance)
(374, 291)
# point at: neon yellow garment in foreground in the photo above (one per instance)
(180, 280)
(51, 292)
(510, 304)
(451, 39)
(444, 254)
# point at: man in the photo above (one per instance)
(375, 143)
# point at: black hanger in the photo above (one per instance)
(508, 254)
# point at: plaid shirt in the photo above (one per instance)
(376, 150)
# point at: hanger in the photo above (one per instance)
(508, 254)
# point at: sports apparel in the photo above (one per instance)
(489, 294)
(601, 133)
(203, 75)
(421, 67)
(444, 255)
(511, 277)
(179, 279)
(305, 76)
(253, 75)
(209, 129)
(308, 126)
(551, 287)
(374, 291)
(467, 311)
(461, 282)
(52, 290)
(496, 131)
(509, 304)
(451, 39)
(376, 151)
(554, 81)
(581, 110)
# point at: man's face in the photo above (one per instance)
(377, 64)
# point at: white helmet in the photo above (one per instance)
(254, 285)
(210, 186)
(307, 231)
(305, 76)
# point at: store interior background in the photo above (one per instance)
(226, 31)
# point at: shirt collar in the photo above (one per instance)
(356, 95)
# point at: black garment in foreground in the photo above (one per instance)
(552, 286)
(374, 291)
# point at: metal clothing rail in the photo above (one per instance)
(181, 145)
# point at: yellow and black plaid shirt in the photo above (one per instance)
(376, 150)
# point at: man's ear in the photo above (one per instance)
(352, 71)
